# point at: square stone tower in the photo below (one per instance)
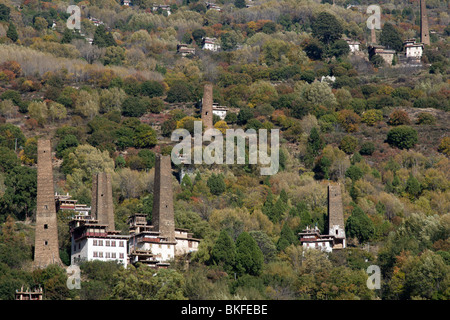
(102, 207)
(424, 32)
(207, 106)
(46, 248)
(336, 226)
(163, 216)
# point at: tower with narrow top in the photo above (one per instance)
(336, 226)
(424, 31)
(163, 215)
(46, 248)
(207, 106)
(102, 201)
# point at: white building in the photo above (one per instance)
(312, 239)
(413, 49)
(148, 247)
(210, 44)
(163, 7)
(220, 111)
(91, 241)
(353, 45)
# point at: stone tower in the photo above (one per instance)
(424, 32)
(102, 207)
(163, 216)
(373, 36)
(207, 106)
(46, 248)
(336, 226)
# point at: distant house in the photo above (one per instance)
(413, 49)
(213, 6)
(386, 54)
(210, 44)
(220, 111)
(354, 45)
(126, 3)
(162, 7)
(184, 50)
(311, 238)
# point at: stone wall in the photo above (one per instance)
(46, 246)
(163, 216)
(102, 207)
(207, 106)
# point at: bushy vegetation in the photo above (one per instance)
(380, 131)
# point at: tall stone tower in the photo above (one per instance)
(207, 106)
(163, 216)
(102, 207)
(424, 32)
(373, 36)
(46, 249)
(336, 226)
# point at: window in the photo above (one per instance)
(121, 255)
(337, 231)
(113, 255)
(45, 207)
(45, 242)
(100, 254)
(113, 243)
(100, 242)
(95, 254)
(121, 244)
(94, 243)
(108, 255)
(45, 226)
(107, 243)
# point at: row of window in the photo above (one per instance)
(108, 255)
(108, 243)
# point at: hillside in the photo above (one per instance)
(110, 95)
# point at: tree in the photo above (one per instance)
(249, 258)
(444, 146)
(326, 28)
(152, 88)
(339, 48)
(372, 116)
(413, 187)
(224, 251)
(12, 32)
(313, 49)
(349, 120)
(133, 107)
(8, 159)
(67, 144)
(145, 136)
(7, 108)
(239, 4)
(4, 12)
(398, 117)
(367, 148)
(39, 111)
(359, 226)
(216, 184)
(287, 237)
(228, 41)
(180, 91)
(391, 38)
(20, 194)
(67, 36)
(348, 144)
(354, 173)
(402, 137)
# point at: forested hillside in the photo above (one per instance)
(110, 95)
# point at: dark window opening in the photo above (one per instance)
(45, 242)
(45, 226)
(45, 206)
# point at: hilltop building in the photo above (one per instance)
(157, 244)
(93, 237)
(386, 54)
(335, 239)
